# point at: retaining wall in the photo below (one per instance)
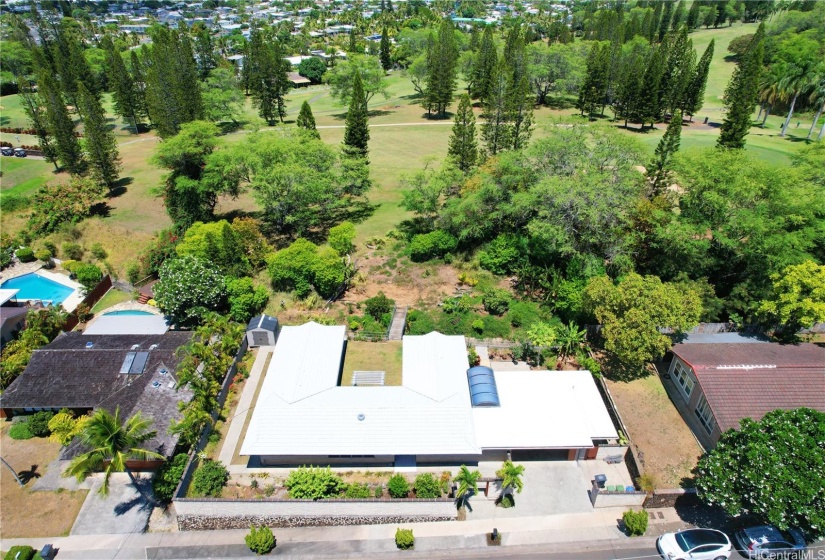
(209, 514)
(611, 451)
(603, 499)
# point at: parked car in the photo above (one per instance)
(767, 541)
(19, 152)
(694, 544)
(7, 151)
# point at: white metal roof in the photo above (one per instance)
(6, 295)
(435, 365)
(128, 324)
(543, 410)
(314, 416)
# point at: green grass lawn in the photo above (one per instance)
(23, 176)
(112, 297)
(373, 356)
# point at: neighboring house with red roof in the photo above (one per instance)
(715, 385)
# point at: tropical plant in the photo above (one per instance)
(570, 339)
(168, 477)
(308, 483)
(510, 475)
(427, 486)
(635, 522)
(260, 540)
(796, 80)
(210, 478)
(467, 485)
(112, 443)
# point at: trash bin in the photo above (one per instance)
(600, 480)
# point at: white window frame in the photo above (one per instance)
(705, 414)
(683, 379)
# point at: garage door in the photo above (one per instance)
(539, 455)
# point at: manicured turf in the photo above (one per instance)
(23, 176)
(373, 356)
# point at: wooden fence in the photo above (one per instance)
(91, 298)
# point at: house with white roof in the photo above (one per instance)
(443, 412)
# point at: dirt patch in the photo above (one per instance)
(25, 513)
(666, 447)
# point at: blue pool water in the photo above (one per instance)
(129, 312)
(34, 286)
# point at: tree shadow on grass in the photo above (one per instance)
(231, 126)
(635, 129)
(616, 370)
(101, 209)
(236, 213)
(4, 120)
(119, 187)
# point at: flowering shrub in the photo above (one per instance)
(188, 288)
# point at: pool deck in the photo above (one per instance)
(124, 306)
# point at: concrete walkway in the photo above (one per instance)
(597, 526)
(232, 441)
(399, 322)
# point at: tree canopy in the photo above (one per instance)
(770, 469)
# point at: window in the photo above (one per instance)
(683, 379)
(704, 414)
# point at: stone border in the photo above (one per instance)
(206, 523)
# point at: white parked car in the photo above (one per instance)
(694, 544)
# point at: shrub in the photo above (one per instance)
(404, 538)
(89, 275)
(472, 356)
(133, 273)
(497, 301)
(25, 255)
(70, 265)
(398, 486)
(420, 322)
(356, 490)
(588, 363)
(51, 247)
(55, 205)
(99, 252)
(72, 251)
(523, 313)
(20, 430)
(635, 522)
(43, 255)
(308, 483)
(426, 246)
(377, 306)
(379, 491)
(495, 327)
(20, 552)
(188, 288)
(427, 486)
(168, 477)
(210, 478)
(502, 254)
(39, 423)
(260, 540)
(63, 427)
(507, 501)
(13, 202)
(341, 237)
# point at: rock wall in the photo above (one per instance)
(208, 523)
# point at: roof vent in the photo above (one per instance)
(361, 417)
(153, 347)
(135, 346)
(163, 371)
(156, 384)
(90, 344)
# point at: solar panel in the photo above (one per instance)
(483, 390)
(127, 362)
(139, 363)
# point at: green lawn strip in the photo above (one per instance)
(23, 176)
(373, 356)
(112, 297)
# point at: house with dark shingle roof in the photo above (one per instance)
(84, 372)
(715, 385)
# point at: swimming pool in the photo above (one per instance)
(128, 312)
(34, 286)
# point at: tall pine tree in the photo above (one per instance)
(495, 130)
(384, 51)
(463, 146)
(485, 66)
(306, 120)
(519, 94)
(356, 130)
(592, 91)
(442, 69)
(100, 144)
(269, 79)
(659, 171)
(125, 96)
(37, 120)
(741, 94)
(60, 125)
(694, 96)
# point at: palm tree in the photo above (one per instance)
(467, 484)
(770, 91)
(112, 443)
(510, 476)
(797, 80)
(817, 97)
(569, 338)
